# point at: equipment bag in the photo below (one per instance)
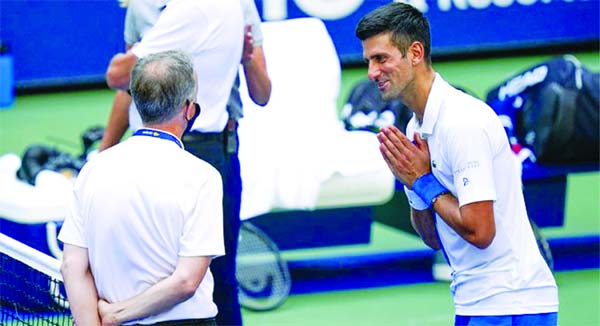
(553, 110)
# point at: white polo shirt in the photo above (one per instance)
(212, 32)
(471, 157)
(139, 206)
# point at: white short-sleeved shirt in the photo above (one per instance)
(140, 17)
(212, 32)
(143, 14)
(471, 157)
(139, 206)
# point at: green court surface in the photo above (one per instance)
(58, 119)
(428, 304)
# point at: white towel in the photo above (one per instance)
(292, 145)
(21, 202)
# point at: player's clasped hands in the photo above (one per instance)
(406, 160)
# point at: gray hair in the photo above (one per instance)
(405, 23)
(160, 85)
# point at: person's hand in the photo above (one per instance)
(406, 160)
(106, 313)
(248, 44)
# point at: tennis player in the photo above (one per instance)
(460, 176)
(147, 215)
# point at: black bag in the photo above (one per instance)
(366, 110)
(41, 157)
(553, 109)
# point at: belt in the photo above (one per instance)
(230, 128)
(204, 136)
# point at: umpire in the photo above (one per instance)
(146, 218)
(212, 31)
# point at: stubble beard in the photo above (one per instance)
(386, 96)
(390, 94)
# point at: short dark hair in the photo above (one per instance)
(405, 23)
(161, 83)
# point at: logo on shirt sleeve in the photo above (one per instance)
(465, 182)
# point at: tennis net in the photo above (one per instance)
(31, 289)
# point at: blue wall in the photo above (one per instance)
(63, 41)
(56, 42)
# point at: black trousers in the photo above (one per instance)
(212, 148)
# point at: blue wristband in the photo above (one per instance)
(428, 188)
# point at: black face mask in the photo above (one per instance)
(191, 121)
